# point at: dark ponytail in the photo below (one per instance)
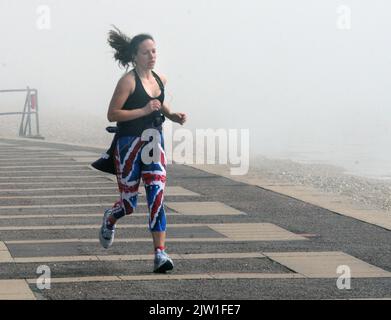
(125, 48)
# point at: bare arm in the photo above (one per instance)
(166, 110)
(165, 107)
(126, 86)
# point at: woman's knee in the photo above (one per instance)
(124, 207)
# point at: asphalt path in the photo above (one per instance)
(50, 216)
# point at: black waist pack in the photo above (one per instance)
(106, 162)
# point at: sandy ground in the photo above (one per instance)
(372, 193)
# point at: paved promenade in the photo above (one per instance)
(228, 239)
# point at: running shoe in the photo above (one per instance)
(162, 262)
(106, 234)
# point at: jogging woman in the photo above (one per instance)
(137, 105)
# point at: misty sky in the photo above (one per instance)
(281, 68)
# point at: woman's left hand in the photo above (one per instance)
(178, 117)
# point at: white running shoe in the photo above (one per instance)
(162, 262)
(106, 235)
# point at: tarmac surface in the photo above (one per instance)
(228, 239)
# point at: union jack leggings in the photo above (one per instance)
(130, 168)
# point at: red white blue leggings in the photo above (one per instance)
(130, 168)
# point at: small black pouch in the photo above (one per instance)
(106, 162)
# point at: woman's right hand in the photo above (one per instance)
(153, 105)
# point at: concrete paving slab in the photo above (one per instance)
(7, 144)
(78, 189)
(15, 290)
(74, 184)
(31, 160)
(34, 148)
(255, 231)
(79, 205)
(60, 196)
(203, 208)
(176, 191)
(5, 255)
(88, 160)
(33, 172)
(375, 217)
(77, 154)
(42, 177)
(325, 264)
(21, 167)
(21, 154)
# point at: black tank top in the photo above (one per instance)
(138, 99)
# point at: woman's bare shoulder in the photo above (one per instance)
(127, 81)
(162, 77)
(129, 77)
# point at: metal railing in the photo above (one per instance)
(30, 109)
